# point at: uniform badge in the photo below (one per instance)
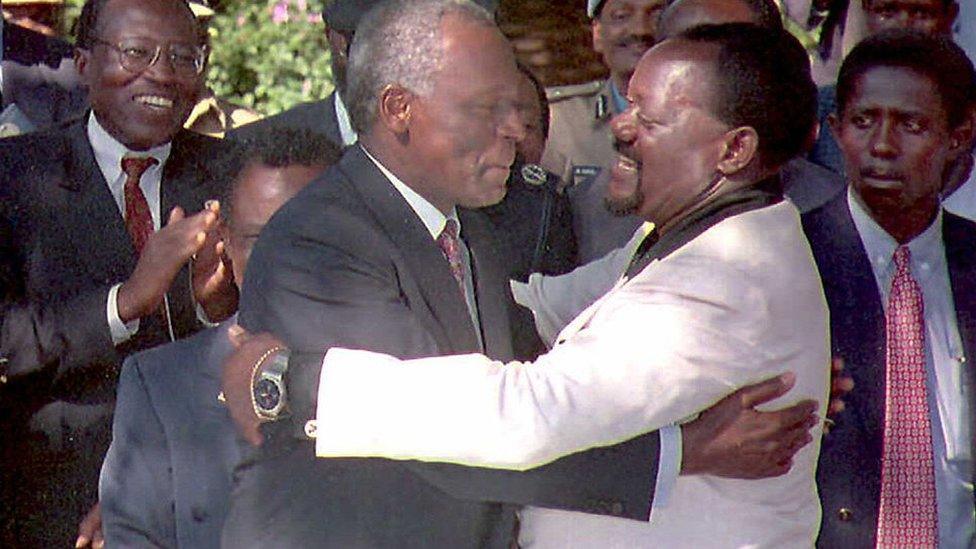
(534, 175)
(584, 174)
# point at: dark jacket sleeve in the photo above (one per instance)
(136, 485)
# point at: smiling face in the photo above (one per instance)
(668, 140)
(146, 109)
(895, 138)
(463, 134)
(623, 32)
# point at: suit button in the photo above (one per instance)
(617, 509)
(845, 514)
(311, 428)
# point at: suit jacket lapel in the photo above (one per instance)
(449, 321)
(95, 210)
(490, 286)
(856, 313)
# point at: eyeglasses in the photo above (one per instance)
(137, 55)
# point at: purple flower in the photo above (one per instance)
(279, 13)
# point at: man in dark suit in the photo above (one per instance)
(367, 257)
(167, 476)
(40, 87)
(899, 275)
(94, 255)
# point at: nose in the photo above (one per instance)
(624, 126)
(884, 140)
(643, 23)
(162, 67)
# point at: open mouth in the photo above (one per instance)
(155, 102)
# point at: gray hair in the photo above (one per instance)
(399, 42)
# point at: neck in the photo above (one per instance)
(395, 158)
(903, 224)
(621, 81)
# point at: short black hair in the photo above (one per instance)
(87, 27)
(540, 92)
(275, 148)
(762, 80)
(936, 57)
(767, 13)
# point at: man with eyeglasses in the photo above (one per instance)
(101, 255)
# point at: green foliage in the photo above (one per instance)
(268, 63)
(259, 57)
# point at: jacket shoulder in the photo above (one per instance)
(557, 94)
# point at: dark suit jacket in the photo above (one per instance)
(347, 262)
(849, 473)
(63, 244)
(316, 116)
(39, 77)
(167, 476)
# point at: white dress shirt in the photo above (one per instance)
(738, 304)
(944, 364)
(108, 155)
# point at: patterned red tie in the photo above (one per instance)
(908, 508)
(138, 218)
(448, 243)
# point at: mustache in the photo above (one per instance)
(626, 150)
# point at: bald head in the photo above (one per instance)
(682, 15)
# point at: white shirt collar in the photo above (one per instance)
(348, 134)
(109, 152)
(432, 218)
(927, 251)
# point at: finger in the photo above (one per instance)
(98, 544)
(213, 205)
(836, 364)
(176, 214)
(764, 391)
(237, 334)
(836, 406)
(841, 385)
(82, 541)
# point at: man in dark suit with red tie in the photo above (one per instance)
(96, 241)
(899, 275)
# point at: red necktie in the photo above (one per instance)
(908, 507)
(138, 218)
(448, 243)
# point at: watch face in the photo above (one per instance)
(266, 394)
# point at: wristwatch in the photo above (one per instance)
(269, 395)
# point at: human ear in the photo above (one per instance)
(741, 146)
(396, 104)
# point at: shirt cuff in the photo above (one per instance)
(668, 466)
(121, 331)
(202, 316)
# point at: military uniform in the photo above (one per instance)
(580, 150)
(215, 117)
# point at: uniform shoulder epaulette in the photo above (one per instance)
(559, 93)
